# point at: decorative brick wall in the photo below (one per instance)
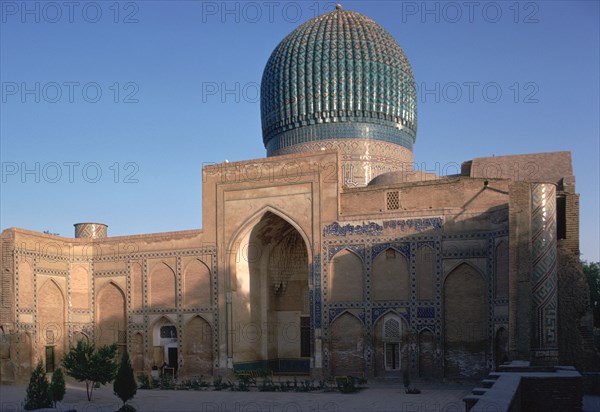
(572, 217)
(544, 274)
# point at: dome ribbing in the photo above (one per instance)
(338, 76)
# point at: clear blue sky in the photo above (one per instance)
(178, 84)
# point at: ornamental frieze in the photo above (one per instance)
(381, 227)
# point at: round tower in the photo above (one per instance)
(90, 230)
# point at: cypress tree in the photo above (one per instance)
(124, 384)
(57, 386)
(38, 395)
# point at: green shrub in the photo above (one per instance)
(57, 386)
(93, 366)
(38, 394)
(348, 384)
(166, 382)
(220, 385)
(127, 408)
(267, 385)
(195, 383)
(143, 381)
(124, 385)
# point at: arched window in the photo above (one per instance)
(168, 331)
(391, 338)
(391, 329)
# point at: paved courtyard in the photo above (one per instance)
(377, 398)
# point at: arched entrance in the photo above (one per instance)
(164, 343)
(391, 345)
(51, 321)
(270, 298)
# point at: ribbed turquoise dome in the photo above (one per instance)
(338, 76)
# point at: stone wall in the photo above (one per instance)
(541, 394)
(519, 387)
(573, 304)
(60, 290)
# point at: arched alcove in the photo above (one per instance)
(346, 277)
(51, 323)
(390, 277)
(112, 320)
(197, 347)
(270, 296)
(162, 287)
(465, 323)
(347, 345)
(196, 284)
(391, 345)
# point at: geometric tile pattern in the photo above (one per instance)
(340, 67)
(207, 254)
(544, 271)
(419, 314)
(90, 230)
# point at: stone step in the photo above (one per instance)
(479, 391)
(488, 383)
(470, 401)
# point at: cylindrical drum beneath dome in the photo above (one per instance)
(90, 230)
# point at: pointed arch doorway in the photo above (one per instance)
(270, 297)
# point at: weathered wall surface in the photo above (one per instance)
(399, 247)
(573, 305)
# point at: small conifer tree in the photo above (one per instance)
(124, 384)
(57, 386)
(37, 392)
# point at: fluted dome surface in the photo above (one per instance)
(338, 76)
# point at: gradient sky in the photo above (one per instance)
(110, 109)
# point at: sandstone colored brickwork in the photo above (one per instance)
(533, 167)
(465, 323)
(572, 221)
(235, 291)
